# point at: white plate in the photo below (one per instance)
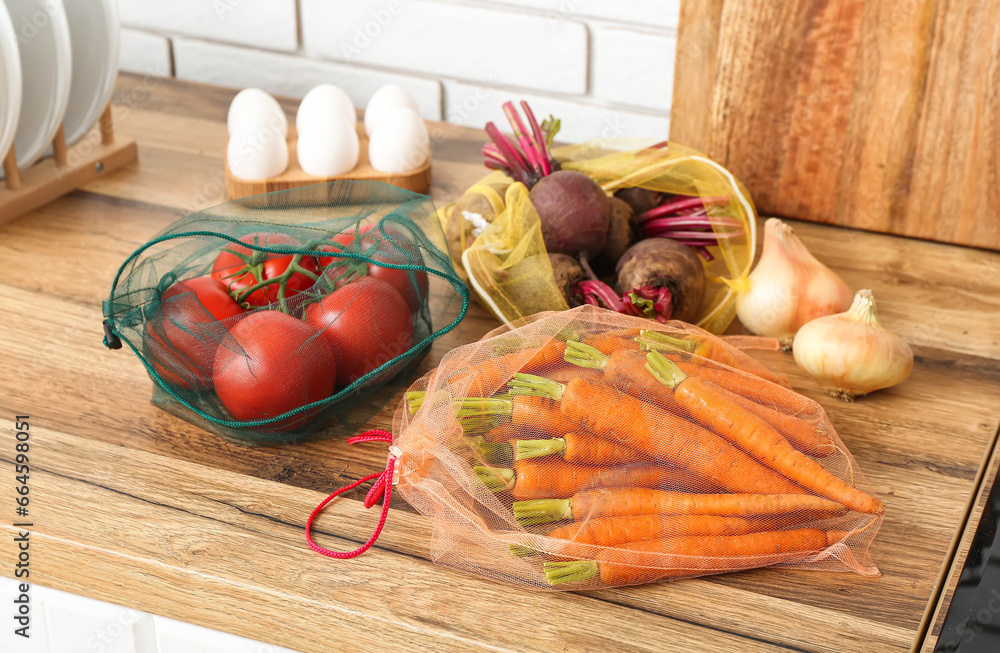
(94, 31)
(46, 66)
(10, 83)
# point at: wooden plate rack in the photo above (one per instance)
(67, 169)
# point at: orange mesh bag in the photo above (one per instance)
(586, 449)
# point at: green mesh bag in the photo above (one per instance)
(287, 315)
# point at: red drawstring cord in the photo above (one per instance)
(383, 487)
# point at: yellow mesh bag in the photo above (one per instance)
(587, 449)
(495, 237)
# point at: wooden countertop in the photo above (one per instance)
(134, 506)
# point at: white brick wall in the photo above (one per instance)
(602, 67)
(67, 623)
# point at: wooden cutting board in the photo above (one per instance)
(883, 116)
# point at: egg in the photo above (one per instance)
(324, 103)
(253, 154)
(400, 144)
(255, 110)
(326, 149)
(385, 100)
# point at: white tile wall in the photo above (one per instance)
(600, 66)
(145, 53)
(473, 105)
(283, 74)
(261, 23)
(459, 40)
(67, 623)
(618, 79)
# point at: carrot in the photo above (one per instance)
(566, 372)
(577, 447)
(600, 408)
(609, 342)
(503, 432)
(611, 531)
(648, 560)
(626, 370)
(755, 436)
(483, 379)
(539, 415)
(534, 479)
(800, 434)
(590, 504)
(714, 349)
(753, 388)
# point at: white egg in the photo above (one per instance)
(327, 149)
(255, 154)
(324, 103)
(255, 110)
(400, 144)
(386, 99)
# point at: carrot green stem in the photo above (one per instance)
(497, 479)
(582, 355)
(570, 572)
(476, 407)
(529, 384)
(538, 448)
(542, 511)
(663, 370)
(414, 399)
(521, 551)
(485, 451)
(663, 339)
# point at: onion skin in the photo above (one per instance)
(664, 263)
(851, 353)
(574, 213)
(789, 287)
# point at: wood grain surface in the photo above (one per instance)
(883, 116)
(135, 506)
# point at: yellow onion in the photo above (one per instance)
(851, 353)
(789, 287)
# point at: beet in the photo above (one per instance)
(620, 230)
(655, 265)
(574, 212)
(640, 199)
(568, 272)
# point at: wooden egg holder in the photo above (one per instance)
(66, 170)
(418, 181)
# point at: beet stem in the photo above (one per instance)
(585, 264)
(595, 290)
(540, 139)
(518, 167)
(521, 134)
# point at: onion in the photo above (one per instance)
(851, 353)
(789, 287)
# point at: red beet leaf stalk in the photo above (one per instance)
(686, 220)
(526, 157)
(598, 293)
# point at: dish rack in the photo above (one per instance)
(96, 154)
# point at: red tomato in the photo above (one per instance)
(396, 249)
(232, 268)
(367, 323)
(270, 364)
(182, 336)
